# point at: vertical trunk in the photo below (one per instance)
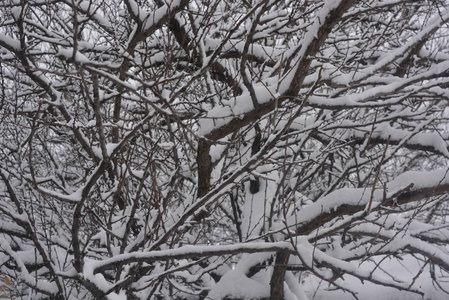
(254, 184)
(277, 279)
(204, 162)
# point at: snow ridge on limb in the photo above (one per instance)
(149, 22)
(406, 188)
(190, 251)
(290, 84)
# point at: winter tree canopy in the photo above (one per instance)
(222, 149)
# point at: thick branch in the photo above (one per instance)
(407, 196)
(301, 69)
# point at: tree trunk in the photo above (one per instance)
(277, 279)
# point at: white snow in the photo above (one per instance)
(420, 179)
(68, 53)
(188, 251)
(235, 284)
(402, 270)
(15, 44)
(150, 19)
(362, 196)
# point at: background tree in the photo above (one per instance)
(175, 149)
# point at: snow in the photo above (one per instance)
(25, 276)
(403, 270)
(257, 206)
(120, 296)
(362, 196)
(295, 287)
(220, 116)
(355, 270)
(135, 10)
(95, 12)
(215, 118)
(153, 18)
(217, 150)
(436, 22)
(166, 238)
(97, 279)
(72, 198)
(242, 104)
(186, 252)
(432, 139)
(330, 202)
(110, 147)
(235, 284)
(370, 96)
(11, 227)
(260, 51)
(16, 11)
(13, 43)
(68, 53)
(420, 179)
(310, 36)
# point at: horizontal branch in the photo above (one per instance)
(322, 212)
(190, 252)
